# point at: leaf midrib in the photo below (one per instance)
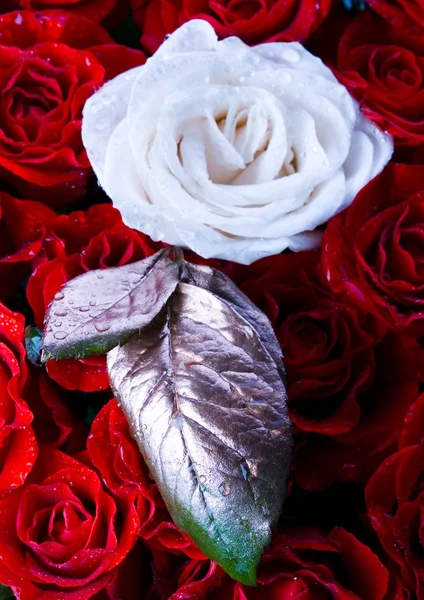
(208, 511)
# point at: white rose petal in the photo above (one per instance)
(235, 152)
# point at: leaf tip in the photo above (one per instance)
(33, 344)
(46, 356)
(245, 574)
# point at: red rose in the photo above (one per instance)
(50, 65)
(18, 448)
(400, 12)
(395, 501)
(130, 578)
(354, 456)
(337, 360)
(300, 564)
(97, 10)
(254, 22)
(373, 251)
(62, 535)
(54, 423)
(382, 65)
(74, 244)
(325, 40)
(328, 346)
(22, 226)
(118, 459)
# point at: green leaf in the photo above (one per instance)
(96, 311)
(6, 593)
(204, 395)
(33, 344)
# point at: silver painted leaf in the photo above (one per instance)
(206, 403)
(100, 309)
(220, 285)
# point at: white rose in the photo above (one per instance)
(232, 151)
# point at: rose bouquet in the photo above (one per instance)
(211, 299)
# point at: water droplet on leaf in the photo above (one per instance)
(60, 335)
(102, 327)
(224, 489)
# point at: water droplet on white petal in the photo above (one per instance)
(291, 55)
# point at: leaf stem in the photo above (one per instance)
(177, 256)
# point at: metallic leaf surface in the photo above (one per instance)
(220, 285)
(203, 392)
(100, 309)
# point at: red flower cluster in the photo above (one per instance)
(49, 65)
(373, 252)
(301, 563)
(395, 501)
(348, 376)
(106, 11)
(80, 516)
(382, 65)
(18, 446)
(251, 20)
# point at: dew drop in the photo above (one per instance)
(59, 296)
(224, 489)
(57, 323)
(60, 335)
(286, 77)
(202, 479)
(100, 276)
(244, 470)
(92, 303)
(291, 55)
(409, 417)
(60, 312)
(102, 327)
(84, 308)
(101, 124)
